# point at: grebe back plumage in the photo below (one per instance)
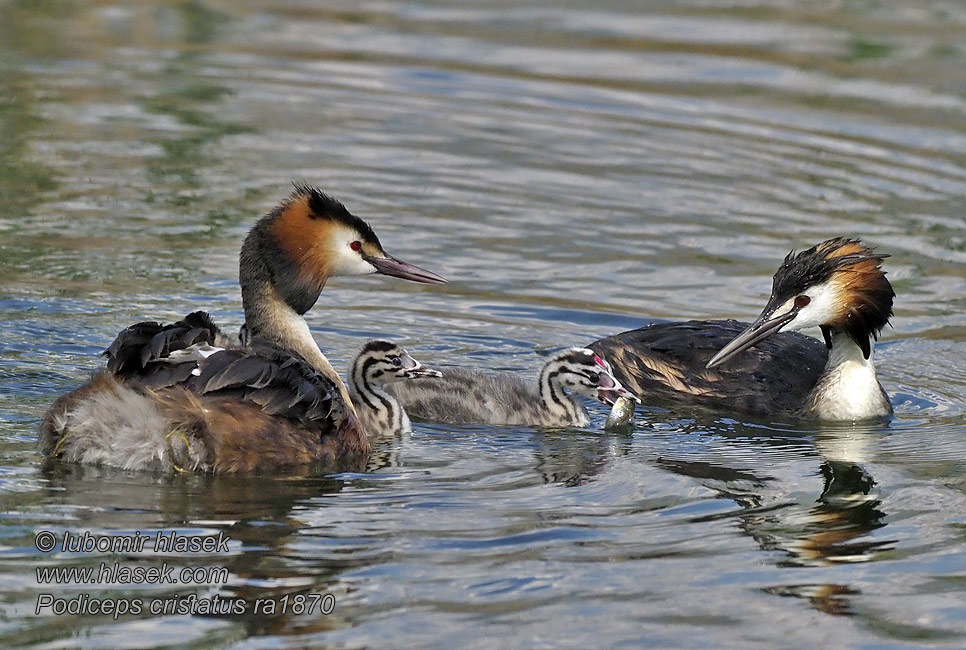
(171, 399)
(759, 369)
(664, 364)
(469, 396)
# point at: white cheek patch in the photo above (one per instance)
(346, 261)
(823, 307)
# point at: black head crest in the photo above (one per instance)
(818, 264)
(323, 206)
(856, 273)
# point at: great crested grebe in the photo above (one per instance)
(378, 364)
(172, 398)
(838, 285)
(467, 396)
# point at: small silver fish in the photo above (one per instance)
(621, 414)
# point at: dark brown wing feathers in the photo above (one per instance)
(256, 406)
(665, 363)
(272, 377)
(138, 348)
(262, 373)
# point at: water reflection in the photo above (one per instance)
(570, 457)
(833, 529)
(743, 486)
(574, 458)
(847, 510)
(257, 512)
(833, 599)
(581, 171)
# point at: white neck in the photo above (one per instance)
(848, 388)
(558, 403)
(378, 411)
(268, 316)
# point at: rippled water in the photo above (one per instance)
(575, 172)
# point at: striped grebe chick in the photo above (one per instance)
(378, 364)
(468, 396)
(765, 368)
(184, 396)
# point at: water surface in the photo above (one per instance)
(574, 172)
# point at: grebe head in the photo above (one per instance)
(383, 362)
(838, 285)
(587, 374)
(311, 237)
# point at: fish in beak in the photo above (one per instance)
(609, 389)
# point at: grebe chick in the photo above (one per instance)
(378, 364)
(759, 369)
(466, 396)
(185, 397)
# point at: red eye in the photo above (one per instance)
(802, 301)
(356, 245)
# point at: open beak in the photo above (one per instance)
(397, 268)
(422, 371)
(609, 389)
(412, 369)
(766, 325)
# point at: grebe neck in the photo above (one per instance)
(378, 410)
(268, 315)
(848, 388)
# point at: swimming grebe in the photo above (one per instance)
(171, 398)
(378, 364)
(838, 285)
(467, 396)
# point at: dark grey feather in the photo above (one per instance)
(224, 371)
(774, 377)
(272, 377)
(137, 348)
(262, 373)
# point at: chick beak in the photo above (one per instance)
(389, 265)
(609, 389)
(422, 371)
(412, 369)
(765, 326)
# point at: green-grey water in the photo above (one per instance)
(575, 170)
